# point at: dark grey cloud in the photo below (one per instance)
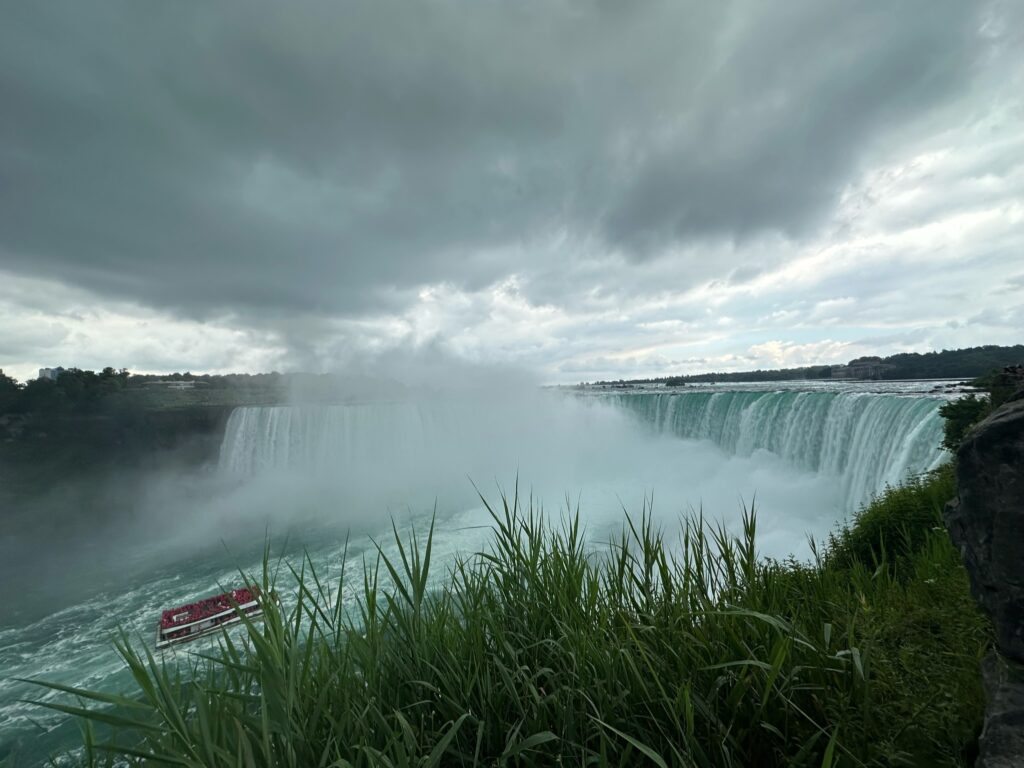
(327, 157)
(772, 133)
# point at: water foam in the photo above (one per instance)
(866, 440)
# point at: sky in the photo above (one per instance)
(580, 189)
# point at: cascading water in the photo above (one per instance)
(866, 440)
(333, 437)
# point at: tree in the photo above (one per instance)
(960, 416)
(9, 393)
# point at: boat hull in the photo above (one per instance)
(211, 615)
(164, 643)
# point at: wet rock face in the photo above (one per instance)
(1002, 742)
(986, 521)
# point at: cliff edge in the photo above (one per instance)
(986, 521)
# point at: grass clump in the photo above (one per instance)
(544, 651)
(896, 525)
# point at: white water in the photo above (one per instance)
(866, 440)
(345, 438)
(808, 457)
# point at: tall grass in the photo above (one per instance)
(545, 651)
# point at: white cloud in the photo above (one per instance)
(46, 323)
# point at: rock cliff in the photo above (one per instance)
(986, 521)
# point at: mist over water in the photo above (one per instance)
(317, 472)
(374, 456)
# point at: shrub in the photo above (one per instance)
(960, 416)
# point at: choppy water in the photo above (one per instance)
(73, 645)
(824, 447)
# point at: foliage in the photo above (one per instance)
(1001, 385)
(74, 392)
(956, 363)
(960, 416)
(896, 524)
(9, 392)
(543, 650)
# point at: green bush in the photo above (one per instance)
(896, 524)
(960, 416)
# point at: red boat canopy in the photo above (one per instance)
(208, 606)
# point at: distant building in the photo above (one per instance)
(50, 373)
(171, 384)
(862, 368)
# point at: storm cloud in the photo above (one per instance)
(323, 171)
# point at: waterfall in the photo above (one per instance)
(862, 440)
(865, 440)
(330, 438)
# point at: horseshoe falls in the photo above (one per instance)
(863, 441)
(866, 440)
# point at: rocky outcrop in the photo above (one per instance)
(986, 521)
(1002, 741)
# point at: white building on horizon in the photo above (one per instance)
(50, 373)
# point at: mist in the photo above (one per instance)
(350, 468)
(354, 467)
(400, 435)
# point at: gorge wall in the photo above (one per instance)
(986, 521)
(77, 454)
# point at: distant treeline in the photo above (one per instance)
(955, 363)
(73, 391)
(114, 393)
(777, 374)
(76, 392)
(967, 363)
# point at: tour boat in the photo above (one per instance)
(204, 617)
